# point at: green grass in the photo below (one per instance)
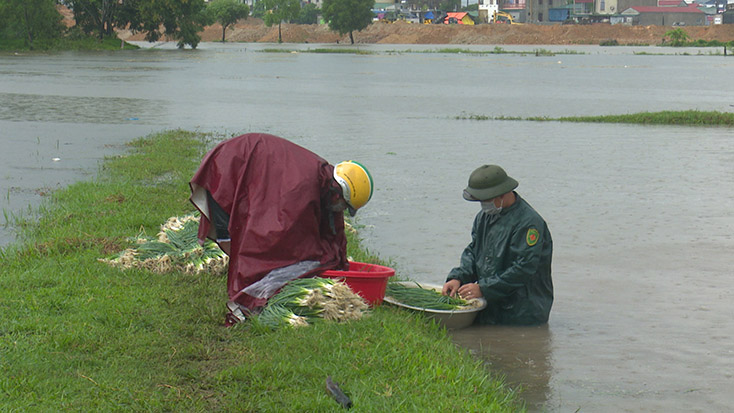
(686, 117)
(79, 335)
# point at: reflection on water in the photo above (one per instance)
(522, 354)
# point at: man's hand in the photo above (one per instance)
(470, 291)
(451, 287)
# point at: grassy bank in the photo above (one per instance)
(686, 118)
(77, 334)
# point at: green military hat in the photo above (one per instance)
(487, 182)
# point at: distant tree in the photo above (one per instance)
(4, 23)
(677, 37)
(450, 5)
(279, 10)
(180, 19)
(346, 16)
(30, 20)
(309, 14)
(227, 12)
(100, 17)
(258, 10)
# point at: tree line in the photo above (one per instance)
(39, 22)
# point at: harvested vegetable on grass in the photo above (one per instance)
(176, 248)
(423, 297)
(275, 316)
(312, 299)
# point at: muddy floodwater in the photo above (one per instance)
(641, 216)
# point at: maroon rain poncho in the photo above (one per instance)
(277, 195)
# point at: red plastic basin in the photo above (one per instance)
(367, 280)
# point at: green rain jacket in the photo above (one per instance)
(510, 258)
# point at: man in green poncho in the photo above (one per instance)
(508, 261)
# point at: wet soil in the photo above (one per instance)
(254, 30)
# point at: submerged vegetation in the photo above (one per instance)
(319, 50)
(686, 117)
(678, 37)
(81, 335)
(500, 50)
(496, 50)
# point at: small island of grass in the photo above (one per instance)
(684, 118)
(496, 50)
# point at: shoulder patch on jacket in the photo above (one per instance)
(532, 237)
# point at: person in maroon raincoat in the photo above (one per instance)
(276, 209)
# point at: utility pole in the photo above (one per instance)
(530, 11)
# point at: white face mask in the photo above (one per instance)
(489, 208)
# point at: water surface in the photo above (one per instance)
(640, 215)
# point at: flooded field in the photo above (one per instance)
(640, 217)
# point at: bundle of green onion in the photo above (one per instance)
(176, 248)
(422, 297)
(306, 300)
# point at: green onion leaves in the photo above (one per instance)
(304, 301)
(423, 297)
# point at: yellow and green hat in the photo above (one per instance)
(356, 184)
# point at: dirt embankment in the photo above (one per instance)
(254, 30)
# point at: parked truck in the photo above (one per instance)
(503, 17)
